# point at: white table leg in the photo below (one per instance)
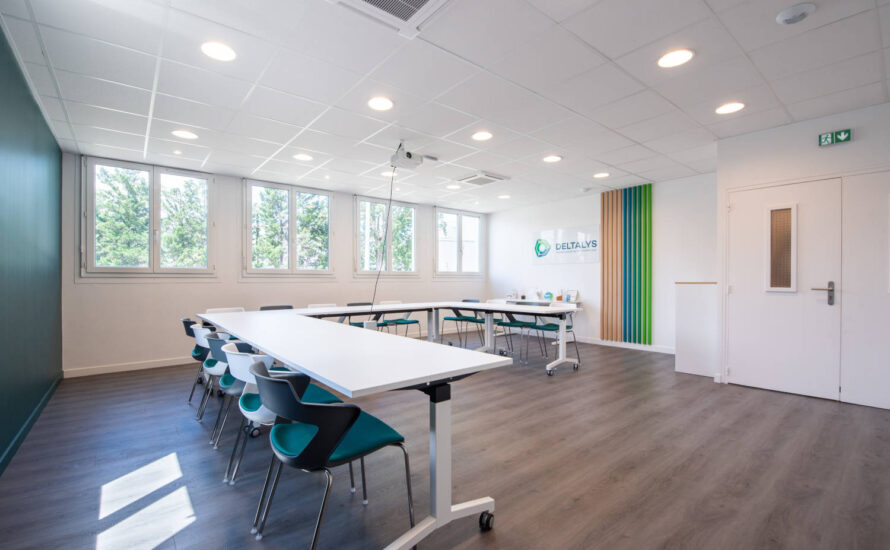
(551, 366)
(488, 343)
(442, 511)
(432, 325)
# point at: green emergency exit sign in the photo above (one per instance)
(830, 138)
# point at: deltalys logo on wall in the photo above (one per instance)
(542, 247)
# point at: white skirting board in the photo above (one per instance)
(626, 345)
(154, 363)
(125, 367)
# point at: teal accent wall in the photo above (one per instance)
(30, 258)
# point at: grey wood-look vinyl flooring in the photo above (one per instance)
(624, 453)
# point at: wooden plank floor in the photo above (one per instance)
(624, 453)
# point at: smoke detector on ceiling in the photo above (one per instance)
(796, 13)
(480, 177)
(406, 16)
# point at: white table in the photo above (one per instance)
(488, 309)
(363, 362)
(432, 323)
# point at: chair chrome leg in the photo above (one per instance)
(208, 391)
(219, 415)
(408, 484)
(235, 449)
(259, 531)
(575, 342)
(241, 454)
(223, 425)
(351, 479)
(195, 383)
(324, 506)
(259, 508)
(364, 483)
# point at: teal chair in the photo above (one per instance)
(510, 324)
(460, 319)
(349, 317)
(544, 327)
(404, 321)
(317, 438)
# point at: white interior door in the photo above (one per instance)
(780, 334)
(865, 363)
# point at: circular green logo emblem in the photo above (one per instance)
(542, 247)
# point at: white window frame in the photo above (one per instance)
(460, 242)
(767, 280)
(387, 269)
(247, 243)
(88, 226)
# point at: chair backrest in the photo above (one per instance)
(351, 304)
(216, 340)
(224, 309)
(469, 301)
(240, 357)
(201, 332)
(187, 325)
(390, 303)
(282, 394)
(268, 308)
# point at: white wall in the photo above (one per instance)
(111, 324)
(684, 248)
(790, 154)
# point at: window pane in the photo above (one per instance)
(780, 248)
(371, 235)
(269, 227)
(447, 233)
(402, 238)
(183, 222)
(123, 215)
(470, 248)
(312, 231)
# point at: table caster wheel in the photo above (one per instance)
(549, 373)
(219, 393)
(200, 380)
(486, 521)
(576, 366)
(255, 432)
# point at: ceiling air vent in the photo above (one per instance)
(481, 178)
(405, 15)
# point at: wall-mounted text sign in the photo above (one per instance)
(570, 245)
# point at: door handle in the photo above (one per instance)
(830, 291)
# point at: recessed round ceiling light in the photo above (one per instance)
(552, 158)
(675, 58)
(601, 175)
(729, 108)
(452, 186)
(503, 196)
(177, 152)
(482, 135)
(388, 173)
(303, 156)
(327, 176)
(184, 134)
(380, 103)
(398, 188)
(218, 51)
(796, 13)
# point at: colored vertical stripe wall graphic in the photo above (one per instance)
(626, 221)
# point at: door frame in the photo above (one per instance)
(723, 197)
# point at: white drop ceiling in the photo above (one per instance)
(576, 78)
